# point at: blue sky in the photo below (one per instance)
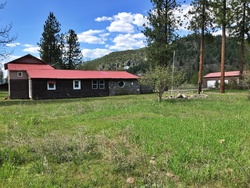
(102, 26)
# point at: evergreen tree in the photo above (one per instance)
(221, 12)
(72, 54)
(50, 51)
(160, 31)
(63, 50)
(240, 26)
(200, 22)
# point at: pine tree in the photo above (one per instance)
(160, 31)
(50, 42)
(200, 22)
(240, 26)
(72, 54)
(221, 12)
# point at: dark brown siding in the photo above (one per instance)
(4, 87)
(19, 89)
(64, 89)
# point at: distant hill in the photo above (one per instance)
(122, 60)
(187, 57)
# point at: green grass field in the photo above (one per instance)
(126, 141)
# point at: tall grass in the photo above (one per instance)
(126, 141)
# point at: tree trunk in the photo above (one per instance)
(201, 50)
(223, 45)
(160, 96)
(242, 43)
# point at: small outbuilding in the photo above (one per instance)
(210, 79)
(31, 78)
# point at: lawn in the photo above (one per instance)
(126, 141)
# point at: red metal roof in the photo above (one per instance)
(218, 74)
(80, 74)
(24, 67)
(27, 59)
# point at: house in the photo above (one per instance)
(210, 79)
(31, 78)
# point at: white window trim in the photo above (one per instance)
(79, 84)
(50, 88)
(96, 84)
(19, 74)
(102, 85)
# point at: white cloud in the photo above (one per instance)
(181, 16)
(104, 18)
(139, 19)
(94, 53)
(122, 23)
(219, 32)
(10, 58)
(30, 48)
(93, 37)
(139, 36)
(128, 41)
(13, 44)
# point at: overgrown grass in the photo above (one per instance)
(126, 141)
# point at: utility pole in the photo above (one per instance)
(172, 87)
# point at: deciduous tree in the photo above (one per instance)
(161, 78)
(5, 37)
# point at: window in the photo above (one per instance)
(98, 84)
(94, 84)
(101, 84)
(19, 74)
(76, 84)
(51, 85)
(121, 83)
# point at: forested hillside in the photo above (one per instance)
(187, 57)
(117, 60)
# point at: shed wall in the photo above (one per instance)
(229, 79)
(18, 89)
(13, 75)
(64, 89)
(130, 87)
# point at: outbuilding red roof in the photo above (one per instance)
(24, 67)
(80, 74)
(27, 59)
(227, 74)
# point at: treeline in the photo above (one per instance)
(187, 55)
(186, 58)
(60, 50)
